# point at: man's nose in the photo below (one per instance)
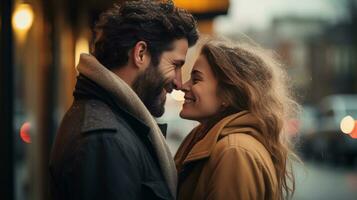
(178, 80)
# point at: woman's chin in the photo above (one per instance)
(182, 115)
(185, 115)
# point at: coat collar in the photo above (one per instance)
(242, 122)
(97, 111)
(102, 106)
(123, 94)
(87, 88)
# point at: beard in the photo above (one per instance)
(149, 86)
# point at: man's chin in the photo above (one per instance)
(159, 109)
(158, 112)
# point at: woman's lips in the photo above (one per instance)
(189, 99)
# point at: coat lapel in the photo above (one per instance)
(203, 148)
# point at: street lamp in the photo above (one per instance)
(22, 18)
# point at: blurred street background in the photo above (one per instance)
(315, 39)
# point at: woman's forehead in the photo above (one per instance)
(202, 67)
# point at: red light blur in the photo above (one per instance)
(353, 134)
(25, 132)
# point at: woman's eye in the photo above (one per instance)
(195, 80)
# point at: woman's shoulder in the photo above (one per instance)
(242, 144)
(240, 140)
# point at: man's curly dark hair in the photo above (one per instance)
(156, 23)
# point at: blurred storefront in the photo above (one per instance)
(6, 106)
(40, 44)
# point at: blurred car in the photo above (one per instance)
(308, 120)
(328, 141)
(307, 128)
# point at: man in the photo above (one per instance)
(109, 145)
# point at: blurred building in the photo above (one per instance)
(317, 49)
(333, 60)
(291, 35)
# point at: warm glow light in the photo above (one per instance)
(25, 132)
(178, 95)
(347, 124)
(202, 6)
(82, 46)
(22, 18)
(353, 134)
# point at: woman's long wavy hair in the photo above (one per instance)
(250, 78)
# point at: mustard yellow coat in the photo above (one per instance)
(229, 163)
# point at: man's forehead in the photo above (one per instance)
(178, 50)
(180, 45)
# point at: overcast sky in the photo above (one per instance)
(258, 14)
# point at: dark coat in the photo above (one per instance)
(101, 151)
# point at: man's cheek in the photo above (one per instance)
(168, 70)
(170, 75)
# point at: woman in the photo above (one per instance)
(239, 95)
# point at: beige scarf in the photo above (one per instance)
(90, 67)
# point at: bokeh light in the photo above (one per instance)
(25, 132)
(353, 134)
(82, 46)
(23, 17)
(347, 124)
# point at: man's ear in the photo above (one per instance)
(141, 56)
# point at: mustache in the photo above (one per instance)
(169, 86)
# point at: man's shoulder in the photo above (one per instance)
(92, 115)
(98, 116)
(92, 120)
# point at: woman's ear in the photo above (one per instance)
(141, 56)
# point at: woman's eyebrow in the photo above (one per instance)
(196, 72)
